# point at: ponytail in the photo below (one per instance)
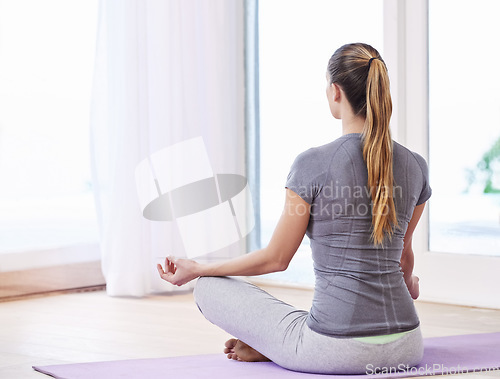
(377, 151)
(359, 69)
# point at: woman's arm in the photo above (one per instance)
(275, 257)
(407, 257)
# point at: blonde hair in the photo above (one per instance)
(362, 74)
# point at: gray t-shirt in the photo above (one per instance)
(359, 288)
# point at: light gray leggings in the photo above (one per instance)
(279, 331)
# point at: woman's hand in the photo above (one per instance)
(179, 271)
(413, 287)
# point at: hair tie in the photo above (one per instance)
(370, 61)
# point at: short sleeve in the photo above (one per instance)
(306, 176)
(426, 191)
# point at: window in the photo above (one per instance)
(296, 39)
(442, 271)
(464, 127)
(46, 65)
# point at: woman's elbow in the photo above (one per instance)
(282, 265)
(277, 264)
(276, 260)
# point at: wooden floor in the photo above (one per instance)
(17, 284)
(90, 326)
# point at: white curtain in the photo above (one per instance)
(166, 71)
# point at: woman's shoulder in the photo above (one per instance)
(414, 165)
(329, 149)
(319, 158)
(412, 156)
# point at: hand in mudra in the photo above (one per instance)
(179, 271)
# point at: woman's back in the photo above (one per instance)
(359, 289)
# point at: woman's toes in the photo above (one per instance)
(229, 350)
(239, 351)
(231, 343)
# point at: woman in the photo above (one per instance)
(359, 199)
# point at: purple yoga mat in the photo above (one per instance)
(442, 355)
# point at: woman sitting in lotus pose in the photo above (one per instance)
(358, 199)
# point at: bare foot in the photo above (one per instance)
(240, 351)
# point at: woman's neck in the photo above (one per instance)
(353, 124)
